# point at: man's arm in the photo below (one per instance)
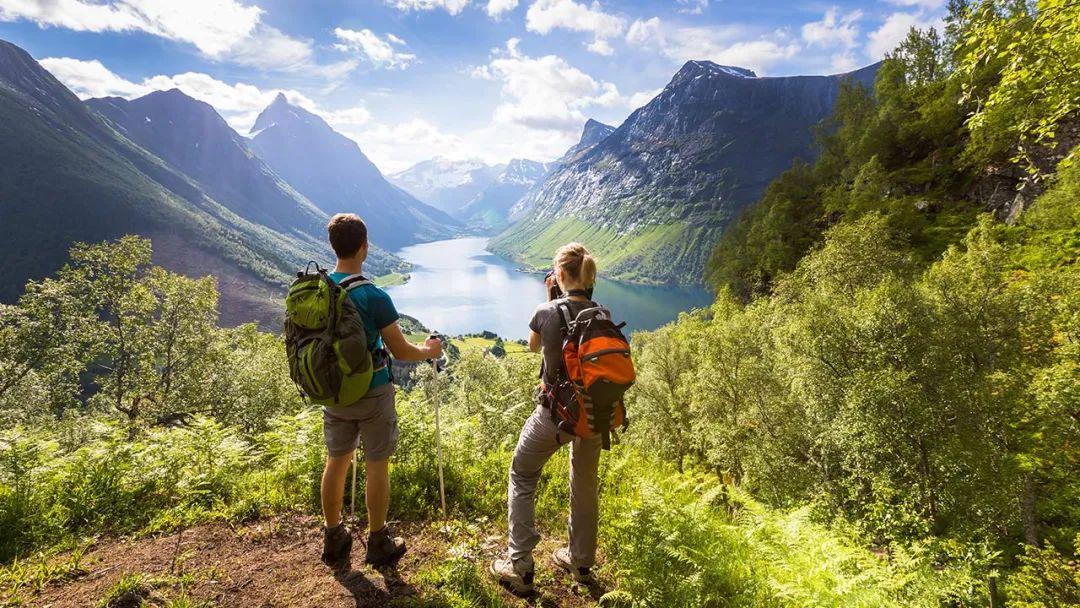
(403, 350)
(534, 342)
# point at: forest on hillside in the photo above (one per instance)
(882, 407)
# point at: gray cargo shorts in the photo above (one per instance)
(372, 419)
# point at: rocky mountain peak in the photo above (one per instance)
(593, 132)
(280, 111)
(707, 69)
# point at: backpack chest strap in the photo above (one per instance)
(353, 281)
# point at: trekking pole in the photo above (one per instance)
(352, 499)
(438, 438)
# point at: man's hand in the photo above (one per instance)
(433, 346)
(403, 350)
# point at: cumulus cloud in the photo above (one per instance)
(544, 16)
(600, 46)
(222, 30)
(833, 30)
(239, 104)
(721, 44)
(545, 93)
(836, 31)
(212, 26)
(451, 6)
(394, 147)
(380, 52)
(893, 31)
(496, 8)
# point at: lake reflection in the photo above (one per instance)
(457, 287)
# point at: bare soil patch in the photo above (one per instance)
(274, 563)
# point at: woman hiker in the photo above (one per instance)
(574, 273)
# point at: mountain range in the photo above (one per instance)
(332, 171)
(166, 167)
(478, 195)
(447, 185)
(651, 198)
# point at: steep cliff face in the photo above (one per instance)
(652, 197)
(592, 134)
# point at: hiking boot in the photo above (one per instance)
(337, 543)
(582, 575)
(384, 549)
(515, 576)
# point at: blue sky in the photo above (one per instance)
(413, 79)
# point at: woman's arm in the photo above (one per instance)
(403, 350)
(534, 342)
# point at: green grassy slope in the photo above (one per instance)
(643, 255)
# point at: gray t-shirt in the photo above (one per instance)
(546, 321)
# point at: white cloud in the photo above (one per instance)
(451, 6)
(547, 15)
(693, 7)
(641, 98)
(222, 30)
(833, 29)
(271, 49)
(716, 43)
(212, 26)
(545, 93)
(893, 31)
(394, 147)
(495, 8)
(600, 46)
(379, 52)
(836, 31)
(841, 63)
(239, 104)
(91, 78)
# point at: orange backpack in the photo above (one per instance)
(597, 371)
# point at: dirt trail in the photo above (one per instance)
(274, 563)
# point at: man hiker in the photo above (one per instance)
(371, 421)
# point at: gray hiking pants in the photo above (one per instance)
(539, 440)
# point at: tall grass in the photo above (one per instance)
(668, 538)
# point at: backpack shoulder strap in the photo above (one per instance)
(565, 318)
(353, 281)
(596, 311)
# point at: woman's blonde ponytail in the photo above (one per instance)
(577, 263)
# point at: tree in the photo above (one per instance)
(1031, 50)
(184, 329)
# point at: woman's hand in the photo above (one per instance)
(550, 283)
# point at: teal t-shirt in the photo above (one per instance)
(378, 312)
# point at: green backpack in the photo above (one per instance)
(325, 341)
